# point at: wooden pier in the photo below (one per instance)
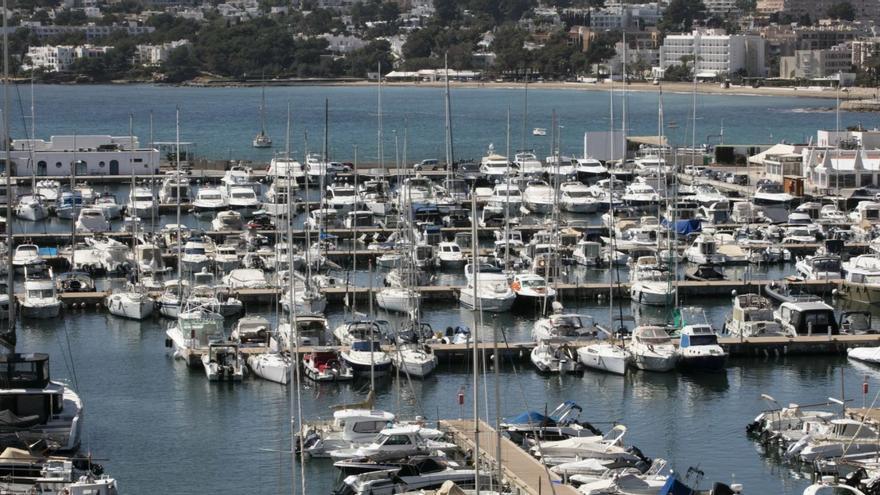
(523, 473)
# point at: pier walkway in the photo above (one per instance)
(525, 474)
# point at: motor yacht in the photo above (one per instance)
(31, 207)
(650, 284)
(862, 280)
(555, 356)
(228, 221)
(527, 163)
(575, 197)
(752, 316)
(589, 170)
(807, 318)
(538, 197)
(326, 365)
(494, 166)
(367, 358)
(698, 347)
(242, 199)
(209, 199)
(175, 188)
(704, 250)
(49, 190)
(40, 299)
(640, 194)
(532, 289)
(194, 331)
(91, 220)
(771, 193)
(109, 205)
(490, 292)
(27, 257)
(819, 267)
(141, 203)
(69, 205)
(652, 349)
(564, 326)
(246, 278)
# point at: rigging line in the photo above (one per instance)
(526, 404)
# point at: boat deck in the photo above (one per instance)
(524, 473)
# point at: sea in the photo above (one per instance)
(159, 427)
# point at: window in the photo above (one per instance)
(41, 164)
(397, 440)
(369, 426)
(101, 164)
(57, 164)
(114, 164)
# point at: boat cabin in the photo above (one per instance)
(808, 318)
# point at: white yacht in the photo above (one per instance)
(752, 316)
(538, 197)
(704, 250)
(326, 365)
(575, 197)
(40, 299)
(69, 205)
(284, 166)
(195, 255)
(640, 193)
(807, 318)
(246, 278)
(209, 199)
(862, 280)
(242, 199)
(133, 303)
(27, 256)
(652, 163)
(449, 255)
(771, 193)
(91, 220)
(141, 203)
(228, 221)
(394, 442)
(531, 288)
(236, 175)
(589, 169)
(506, 195)
(341, 196)
(494, 166)
(195, 329)
(109, 205)
(490, 293)
(349, 427)
(650, 284)
(528, 163)
(587, 253)
(651, 349)
(168, 192)
(698, 347)
(819, 267)
(32, 208)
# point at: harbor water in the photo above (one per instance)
(159, 427)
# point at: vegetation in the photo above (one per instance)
(842, 10)
(680, 15)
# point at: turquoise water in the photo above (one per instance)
(162, 428)
(222, 121)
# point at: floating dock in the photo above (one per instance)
(524, 474)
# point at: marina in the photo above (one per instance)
(270, 303)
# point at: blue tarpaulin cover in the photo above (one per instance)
(685, 227)
(675, 487)
(532, 417)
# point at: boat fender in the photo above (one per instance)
(168, 343)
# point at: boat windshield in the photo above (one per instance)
(143, 197)
(364, 346)
(347, 193)
(826, 265)
(577, 194)
(572, 322)
(194, 250)
(210, 196)
(703, 339)
(40, 293)
(243, 195)
(653, 335)
(535, 283)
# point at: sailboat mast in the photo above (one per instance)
(73, 206)
(478, 307)
(506, 201)
(293, 340)
(448, 105)
(134, 230)
(379, 150)
(177, 167)
(354, 227)
(522, 142)
(9, 341)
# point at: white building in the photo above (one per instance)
(148, 55)
(716, 53)
(94, 155)
(60, 58)
(340, 43)
(720, 6)
(91, 31)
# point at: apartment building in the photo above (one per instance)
(817, 64)
(60, 58)
(716, 53)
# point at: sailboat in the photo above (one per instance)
(262, 140)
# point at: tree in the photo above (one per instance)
(747, 6)
(681, 14)
(180, 66)
(510, 56)
(842, 10)
(367, 59)
(419, 44)
(445, 11)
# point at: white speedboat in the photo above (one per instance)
(40, 299)
(326, 365)
(223, 362)
(862, 280)
(242, 199)
(91, 220)
(69, 205)
(589, 169)
(246, 278)
(704, 250)
(528, 163)
(398, 299)
(195, 255)
(31, 207)
(555, 356)
(48, 189)
(752, 316)
(531, 288)
(130, 303)
(538, 197)
(449, 255)
(640, 194)
(394, 442)
(652, 349)
(228, 221)
(27, 257)
(604, 356)
(698, 348)
(141, 203)
(865, 354)
(771, 193)
(414, 360)
(564, 326)
(819, 267)
(350, 426)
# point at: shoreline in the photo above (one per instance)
(852, 93)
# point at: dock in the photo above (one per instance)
(523, 473)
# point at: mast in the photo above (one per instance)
(522, 142)
(478, 307)
(263, 112)
(179, 249)
(8, 340)
(134, 230)
(73, 213)
(293, 339)
(506, 201)
(379, 150)
(449, 157)
(354, 226)
(623, 103)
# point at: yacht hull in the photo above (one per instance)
(600, 358)
(41, 311)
